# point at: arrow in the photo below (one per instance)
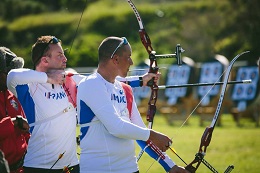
(204, 84)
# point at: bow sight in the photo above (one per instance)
(176, 55)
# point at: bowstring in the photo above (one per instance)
(178, 130)
(228, 67)
(201, 100)
(82, 12)
(84, 7)
(154, 161)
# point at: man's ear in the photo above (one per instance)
(45, 59)
(115, 59)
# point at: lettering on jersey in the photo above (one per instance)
(14, 104)
(55, 96)
(119, 98)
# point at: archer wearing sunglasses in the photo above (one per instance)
(50, 110)
(109, 119)
(48, 96)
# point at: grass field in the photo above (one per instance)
(239, 146)
(230, 144)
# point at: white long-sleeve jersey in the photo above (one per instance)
(51, 116)
(107, 131)
(51, 136)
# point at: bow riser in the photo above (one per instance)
(150, 114)
(153, 68)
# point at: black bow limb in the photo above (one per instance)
(207, 135)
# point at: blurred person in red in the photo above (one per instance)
(14, 129)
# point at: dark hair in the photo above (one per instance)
(41, 46)
(107, 47)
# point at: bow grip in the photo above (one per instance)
(152, 70)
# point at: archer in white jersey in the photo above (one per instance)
(108, 125)
(107, 131)
(49, 102)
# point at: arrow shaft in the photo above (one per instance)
(177, 155)
(203, 84)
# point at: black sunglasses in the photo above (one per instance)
(123, 42)
(53, 40)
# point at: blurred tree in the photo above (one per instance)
(12, 9)
(202, 27)
(241, 29)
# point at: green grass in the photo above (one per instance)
(230, 144)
